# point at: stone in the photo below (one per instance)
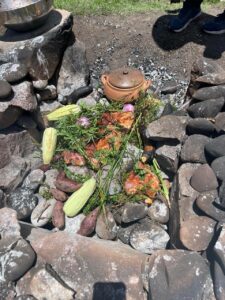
(167, 156)
(27, 122)
(5, 89)
(131, 155)
(24, 96)
(88, 101)
(115, 184)
(40, 49)
(124, 232)
(43, 284)
(206, 203)
(15, 142)
(40, 85)
(167, 110)
(74, 72)
(47, 107)
(206, 109)
(106, 261)
(201, 126)
(179, 274)
(106, 227)
(23, 201)
(16, 258)
(13, 174)
(50, 178)
(167, 128)
(9, 226)
(148, 237)
(25, 297)
(2, 198)
(204, 179)
(8, 115)
(133, 211)
(48, 94)
(219, 265)
(216, 147)
(182, 198)
(159, 212)
(72, 225)
(13, 72)
(218, 167)
(193, 150)
(83, 171)
(8, 291)
(34, 180)
(30, 233)
(222, 195)
(42, 213)
(170, 87)
(220, 122)
(197, 232)
(211, 92)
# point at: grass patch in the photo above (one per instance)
(87, 7)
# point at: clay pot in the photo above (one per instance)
(124, 84)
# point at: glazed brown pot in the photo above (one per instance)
(124, 84)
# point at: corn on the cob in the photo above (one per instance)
(63, 111)
(49, 144)
(79, 198)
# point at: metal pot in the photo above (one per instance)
(24, 15)
(124, 84)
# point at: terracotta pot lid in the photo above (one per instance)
(125, 78)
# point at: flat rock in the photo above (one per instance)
(206, 109)
(170, 87)
(8, 115)
(201, 126)
(106, 227)
(159, 212)
(74, 72)
(177, 274)
(24, 96)
(41, 49)
(167, 156)
(8, 290)
(148, 237)
(133, 211)
(43, 285)
(34, 180)
(13, 72)
(218, 167)
(9, 226)
(106, 261)
(5, 89)
(182, 198)
(72, 225)
(211, 92)
(197, 232)
(16, 258)
(206, 203)
(167, 128)
(193, 150)
(23, 201)
(50, 178)
(220, 122)
(88, 101)
(216, 147)
(124, 232)
(204, 179)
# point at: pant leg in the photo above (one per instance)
(193, 3)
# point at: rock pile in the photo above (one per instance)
(133, 251)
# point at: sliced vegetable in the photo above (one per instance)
(63, 111)
(49, 144)
(78, 199)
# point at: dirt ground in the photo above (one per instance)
(115, 40)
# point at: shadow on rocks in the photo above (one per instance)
(109, 291)
(168, 40)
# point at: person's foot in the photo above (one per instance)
(184, 18)
(217, 26)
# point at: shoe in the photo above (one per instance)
(217, 26)
(184, 18)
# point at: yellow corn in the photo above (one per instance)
(49, 144)
(79, 198)
(63, 111)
